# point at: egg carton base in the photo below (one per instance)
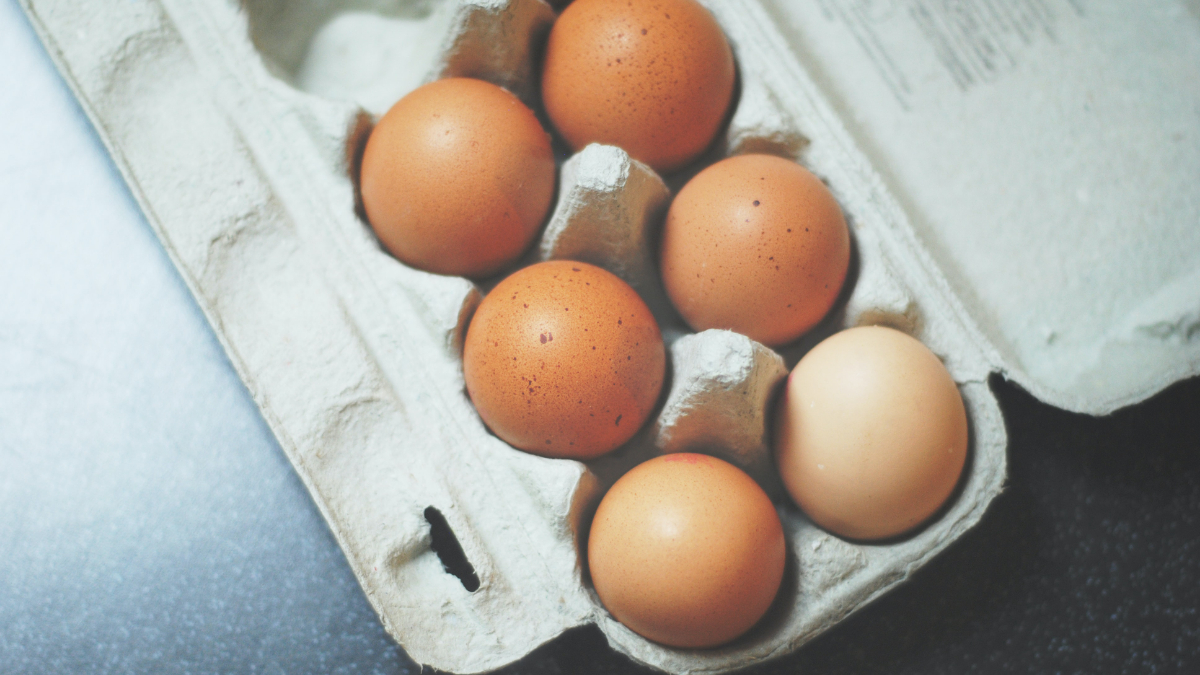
(354, 359)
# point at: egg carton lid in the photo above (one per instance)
(1046, 155)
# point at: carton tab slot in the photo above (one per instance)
(449, 551)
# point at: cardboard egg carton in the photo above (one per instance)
(238, 127)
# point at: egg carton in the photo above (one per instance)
(238, 127)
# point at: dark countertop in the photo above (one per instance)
(149, 523)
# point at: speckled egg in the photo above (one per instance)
(686, 550)
(564, 359)
(755, 244)
(457, 178)
(871, 433)
(655, 78)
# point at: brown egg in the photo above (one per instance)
(755, 244)
(871, 435)
(686, 550)
(457, 178)
(655, 78)
(563, 359)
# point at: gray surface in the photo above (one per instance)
(148, 520)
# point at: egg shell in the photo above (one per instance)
(457, 178)
(686, 550)
(755, 244)
(655, 78)
(871, 434)
(563, 359)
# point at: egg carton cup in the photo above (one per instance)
(238, 127)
